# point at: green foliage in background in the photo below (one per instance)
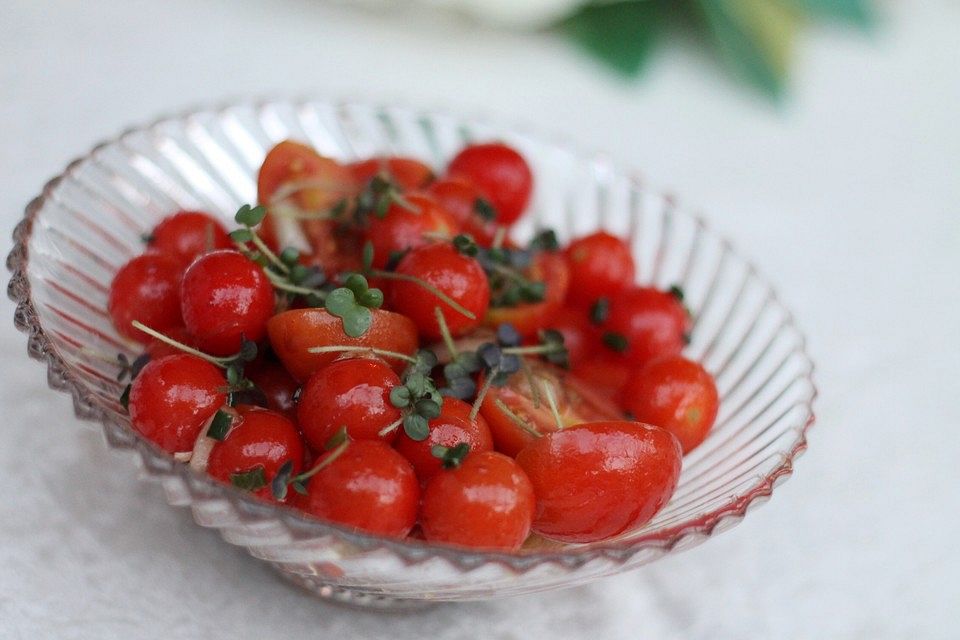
(754, 37)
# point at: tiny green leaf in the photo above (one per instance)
(289, 256)
(367, 255)
(450, 457)
(241, 235)
(400, 397)
(338, 438)
(220, 425)
(251, 480)
(616, 341)
(600, 311)
(250, 216)
(483, 208)
(125, 398)
(416, 427)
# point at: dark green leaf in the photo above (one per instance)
(428, 409)
(250, 216)
(483, 208)
(416, 427)
(616, 341)
(450, 457)
(545, 240)
(507, 335)
(241, 235)
(367, 255)
(251, 480)
(338, 438)
(125, 398)
(220, 425)
(600, 311)
(677, 292)
(371, 298)
(621, 34)
(465, 245)
(400, 397)
(289, 256)
(280, 482)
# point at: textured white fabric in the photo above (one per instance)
(848, 198)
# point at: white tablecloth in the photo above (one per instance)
(848, 197)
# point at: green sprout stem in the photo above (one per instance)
(487, 383)
(552, 401)
(533, 349)
(456, 306)
(326, 462)
(223, 363)
(348, 348)
(390, 428)
(445, 333)
(517, 420)
(279, 282)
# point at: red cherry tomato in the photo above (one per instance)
(293, 333)
(675, 394)
(278, 387)
(579, 335)
(501, 173)
(606, 374)
(157, 349)
(258, 438)
(225, 297)
(487, 502)
(146, 289)
(352, 393)
(369, 486)
(600, 479)
(408, 173)
(601, 265)
(450, 428)
(291, 162)
(458, 276)
(528, 318)
(403, 228)
(576, 403)
(172, 398)
(464, 202)
(188, 234)
(645, 324)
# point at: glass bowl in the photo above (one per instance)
(88, 221)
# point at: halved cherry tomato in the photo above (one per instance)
(597, 480)
(547, 267)
(606, 374)
(408, 225)
(292, 333)
(576, 403)
(290, 162)
(408, 173)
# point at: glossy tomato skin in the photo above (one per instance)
(460, 277)
(601, 266)
(402, 228)
(293, 333)
(600, 479)
(576, 403)
(654, 324)
(147, 288)
(289, 162)
(225, 297)
(528, 318)
(675, 394)
(485, 503)
(369, 487)
(580, 337)
(188, 234)
(352, 392)
(258, 438)
(172, 398)
(499, 171)
(460, 197)
(278, 386)
(450, 428)
(408, 173)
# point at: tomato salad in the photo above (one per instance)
(370, 346)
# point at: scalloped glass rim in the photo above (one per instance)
(88, 405)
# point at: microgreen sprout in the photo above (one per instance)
(284, 479)
(450, 457)
(615, 341)
(485, 209)
(352, 304)
(505, 266)
(600, 310)
(417, 398)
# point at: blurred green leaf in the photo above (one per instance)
(756, 37)
(620, 34)
(858, 12)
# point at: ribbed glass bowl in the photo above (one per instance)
(88, 221)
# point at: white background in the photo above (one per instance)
(848, 197)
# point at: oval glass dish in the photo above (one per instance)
(89, 220)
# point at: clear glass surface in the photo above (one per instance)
(88, 222)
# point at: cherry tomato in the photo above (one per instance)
(601, 265)
(458, 276)
(528, 318)
(500, 172)
(606, 374)
(157, 349)
(278, 387)
(408, 173)
(258, 438)
(464, 202)
(293, 333)
(600, 479)
(188, 234)
(487, 502)
(146, 289)
(369, 486)
(576, 403)
(450, 428)
(675, 394)
(645, 324)
(172, 398)
(291, 162)
(403, 228)
(352, 393)
(579, 335)
(225, 297)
